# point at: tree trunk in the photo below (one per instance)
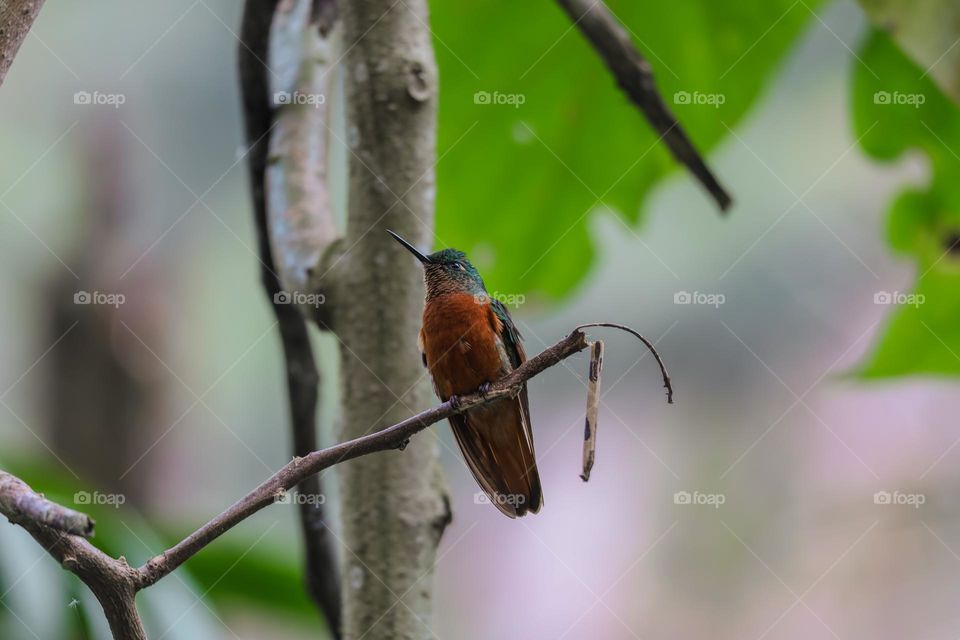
(394, 506)
(16, 17)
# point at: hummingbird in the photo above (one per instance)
(467, 342)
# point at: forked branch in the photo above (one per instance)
(115, 583)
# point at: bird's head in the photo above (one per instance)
(446, 271)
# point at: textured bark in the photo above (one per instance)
(394, 507)
(113, 582)
(301, 223)
(16, 18)
(321, 571)
(19, 503)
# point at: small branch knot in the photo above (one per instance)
(418, 83)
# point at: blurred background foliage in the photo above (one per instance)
(576, 143)
(898, 108)
(547, 196)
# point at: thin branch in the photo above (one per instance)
(393, 437)
(663, 369)
(113, 582)
(16, 18)
(303, 378)
(635, 77)
(18, 502)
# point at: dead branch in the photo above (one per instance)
(266, 127)
(635, 77)
(112, 581)
(18, 502)
(593, 407)
(663, 369)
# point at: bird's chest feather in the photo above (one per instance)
(461, 343)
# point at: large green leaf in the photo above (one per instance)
(516, 181)
(897, 108)
(927, 31)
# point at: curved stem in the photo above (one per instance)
(663, 369)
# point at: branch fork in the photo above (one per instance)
(62, 531)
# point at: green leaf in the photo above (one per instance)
(517, 179)
(927, 31)
(898, 109)
(263, 578)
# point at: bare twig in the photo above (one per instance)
(635, 77)
(113, 582)
(16, 18)
(303, 378)
(663, 369)
(393, 437)
(18, 502)
(593, 406)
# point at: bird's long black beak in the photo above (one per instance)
(412, 249)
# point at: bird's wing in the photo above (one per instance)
(511, 338)
(509, 334)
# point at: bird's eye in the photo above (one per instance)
(459, 266)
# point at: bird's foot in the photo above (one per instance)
(485, 389)
(455, 402)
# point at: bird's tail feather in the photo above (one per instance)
(497, 444)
